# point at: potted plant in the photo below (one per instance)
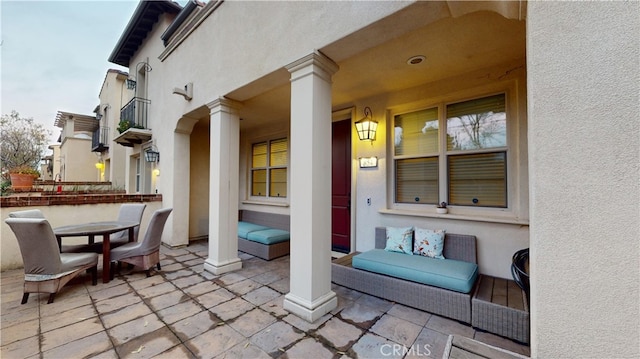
(22, 177)
(442, 207)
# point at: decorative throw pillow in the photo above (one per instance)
(399, 240)
(429, 243)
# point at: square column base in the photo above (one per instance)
(310, 311)
(222, 267)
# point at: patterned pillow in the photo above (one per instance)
(399, 240)
(429, 243)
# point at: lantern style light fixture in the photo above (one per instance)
(151, 155)
(367, 126)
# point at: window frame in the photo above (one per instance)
(443, 154)
(268, 168)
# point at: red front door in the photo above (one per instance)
(341, 187)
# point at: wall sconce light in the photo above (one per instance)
(156, 172)
(100, 166)
(152, 156)
(367, 126)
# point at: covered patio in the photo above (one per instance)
(184, 311)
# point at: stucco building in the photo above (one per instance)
(114, 94)
(76, 162)
(227, 85)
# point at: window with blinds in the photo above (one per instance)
(478, 180)
(269, 162)
(470, 169)
(416, 152)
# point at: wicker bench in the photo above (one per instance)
(272, 220)
(432, 299)
(499, 306)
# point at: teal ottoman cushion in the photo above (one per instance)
(244, 228)
(449, 274)
(268, 236)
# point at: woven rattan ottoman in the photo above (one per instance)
(499, 306)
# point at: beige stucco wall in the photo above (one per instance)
(199, 196)
(55, 148)
(78, 160)
(57, 216)
(584, 138)
(113, 96)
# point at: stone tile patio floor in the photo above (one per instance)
(183, 311)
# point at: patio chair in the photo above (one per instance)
(146, 253)
(46, 270)
(128, 212)
(30, 213)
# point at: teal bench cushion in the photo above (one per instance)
(268, 236)
(244, 228)
(449, 274)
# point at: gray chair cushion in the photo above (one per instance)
(39, 248)
(150, 243)
(29, 213)
(71, 261)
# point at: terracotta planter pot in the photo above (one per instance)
(21, 181)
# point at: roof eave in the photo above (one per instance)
(142, 10)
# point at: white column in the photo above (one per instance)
(223, 187)
(310, 295)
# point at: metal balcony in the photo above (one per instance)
(100, 140)
(133, 123)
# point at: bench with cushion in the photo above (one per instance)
(264, 235)
(439, 286)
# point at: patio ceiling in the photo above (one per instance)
(373, 61)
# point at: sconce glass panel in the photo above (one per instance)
(151, 156)
(366, 129)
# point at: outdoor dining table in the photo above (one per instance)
(97, 228)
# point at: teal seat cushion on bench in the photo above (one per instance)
(244, 228)
(268, 236)
(449, 274)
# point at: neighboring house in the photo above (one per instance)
(76, 161)
(114, 94)
(87, 151)
(497, 108)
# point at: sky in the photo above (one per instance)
(54, 55)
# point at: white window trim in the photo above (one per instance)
(510, 214)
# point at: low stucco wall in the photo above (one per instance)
(10, 257)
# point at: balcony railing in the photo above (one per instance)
(100, 140)
(133, 123)
(134, 114)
